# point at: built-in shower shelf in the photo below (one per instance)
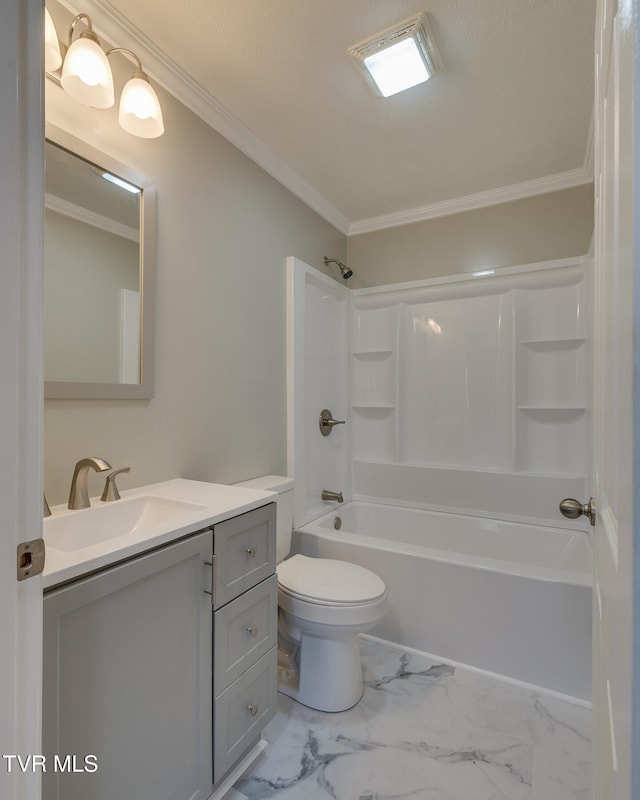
(554, 344)
(367, 355)
(550, 438)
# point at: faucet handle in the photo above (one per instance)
(327, 422)
(110, 489)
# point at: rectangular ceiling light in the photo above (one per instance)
(399, 57)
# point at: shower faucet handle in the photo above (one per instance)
(327, 422)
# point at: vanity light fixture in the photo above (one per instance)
(52, 55)
(400, 57)
(86, 73)
(87, 77)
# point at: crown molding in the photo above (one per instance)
(115, 27)
(493, 197)
(80, 214)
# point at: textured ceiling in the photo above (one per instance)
(512, 104)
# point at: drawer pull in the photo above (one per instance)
(251, 551)
(253, 709)
(209, 564)
(253, 631)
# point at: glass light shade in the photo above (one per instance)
(52, 57)
(398, 67)
(140, 113)
(86, 74)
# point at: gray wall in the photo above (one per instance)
(224, 229)
(555, 225)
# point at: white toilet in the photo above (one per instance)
(322, 605)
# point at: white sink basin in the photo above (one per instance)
(89, 539)
(128, 517)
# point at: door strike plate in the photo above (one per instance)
(30, 558)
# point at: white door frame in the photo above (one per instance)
(616, 418)
(21, 232)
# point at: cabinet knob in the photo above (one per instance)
(253, 631)
(253, 709)
(251, 551)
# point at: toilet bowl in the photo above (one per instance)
(323, 604)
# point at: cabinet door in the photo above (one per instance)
(245, 552)
(127, 679)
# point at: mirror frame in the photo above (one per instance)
(119, 391)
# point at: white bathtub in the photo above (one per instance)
(506, 597)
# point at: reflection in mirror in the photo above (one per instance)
(91, 272)
(96, 220)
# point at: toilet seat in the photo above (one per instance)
(328, 582)
(337, 595)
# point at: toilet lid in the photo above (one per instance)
(327, 580)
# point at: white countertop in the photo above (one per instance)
(214, 503)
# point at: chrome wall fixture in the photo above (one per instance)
(327, 422)
(86, 76)
(344, 270)
(332, 497)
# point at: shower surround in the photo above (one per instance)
(466, 396)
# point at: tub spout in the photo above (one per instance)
(335, 496)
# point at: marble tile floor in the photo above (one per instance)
(425, 731)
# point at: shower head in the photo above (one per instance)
(344, 270)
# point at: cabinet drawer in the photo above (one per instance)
(243, 631)
(245, 553)
(242, 711)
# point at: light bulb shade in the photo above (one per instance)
(86, 74)
(140, 113)
(52, 56)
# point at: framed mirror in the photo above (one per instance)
(99, 264)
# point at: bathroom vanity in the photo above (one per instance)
(137, 701)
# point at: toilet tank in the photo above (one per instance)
(284, 508)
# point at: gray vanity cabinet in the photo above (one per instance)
(245, 623)
(161, 670)
(127, 671)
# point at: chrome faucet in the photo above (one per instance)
(336, 496)
(79, 492)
